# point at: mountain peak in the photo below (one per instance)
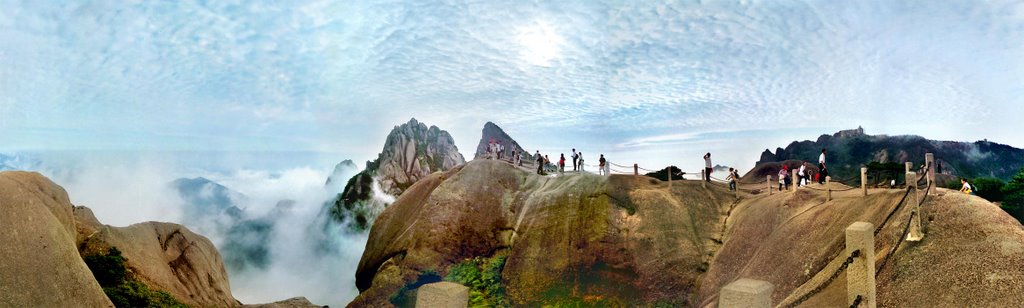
(493, 133)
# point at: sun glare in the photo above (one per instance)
(539, 44)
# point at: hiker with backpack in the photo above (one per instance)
(822, 170)
(732, 179)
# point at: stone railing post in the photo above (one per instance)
(769, 184)
(442, 294)
(746, 293)
(916, 233)
(860, 275)
(704, 178)
(636, 169)
(909, 166)
(911, 179)
(794, 179)
(828, 188)
(669, 171)
(864, 180)
(929, 160)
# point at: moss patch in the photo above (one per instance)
(483, 277)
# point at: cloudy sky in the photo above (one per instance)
(654, 83)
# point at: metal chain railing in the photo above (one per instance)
(821, 287)
(903, 235)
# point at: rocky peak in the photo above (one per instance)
(411, 152)
(336, 181)
(492, 132)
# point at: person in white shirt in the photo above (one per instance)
(707, 167)
(822, 170)
(732, 179)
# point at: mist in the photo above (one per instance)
(128, 188)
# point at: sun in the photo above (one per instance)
(539, 43)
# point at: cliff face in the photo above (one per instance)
(47, 237)
(848, 150)
(41, 266)
(493, 133)
(411, 152)
(633, 241)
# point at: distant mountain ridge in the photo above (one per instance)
(848, 150)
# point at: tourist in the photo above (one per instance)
(707, 167)
(561, 164)
(600, 166)
(732, 179)
(822, 169)
(580, 155)
(783, 173)
(540, 164)
(607, 167)
(515, 158)
(966, 188)
(575, 157)
(803, 175)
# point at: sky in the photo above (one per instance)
(650, 82)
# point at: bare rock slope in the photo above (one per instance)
(635, 241)
(46, 237)
(41, 266)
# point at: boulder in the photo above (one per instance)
(41, 266)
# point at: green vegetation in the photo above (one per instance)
(112, 273)
(483, 277)
(663, 174)
(883, 172)
(1010, 195)
(1013, 195)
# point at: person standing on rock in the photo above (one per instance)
(580, 155)
(540, 164)
(822, 170)
(575, 157)
(732, 179)
(561, 164)
(707, 167)
(783, 182)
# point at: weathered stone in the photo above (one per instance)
(442, 295)
(746, 293)
(860, 275)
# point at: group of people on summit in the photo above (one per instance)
(544, 165)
